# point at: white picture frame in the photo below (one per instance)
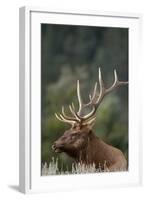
(30, 176)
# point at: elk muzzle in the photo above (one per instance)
(57, 147)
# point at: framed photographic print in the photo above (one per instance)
(79, 119)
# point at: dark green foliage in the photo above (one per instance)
(69, 53)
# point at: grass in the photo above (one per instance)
(77, 168)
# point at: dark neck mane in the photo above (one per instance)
(86, 154)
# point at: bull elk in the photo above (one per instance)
(80, 142)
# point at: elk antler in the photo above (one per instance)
(95, 100)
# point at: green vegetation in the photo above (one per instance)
(69, 53)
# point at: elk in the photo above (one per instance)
(80, 142)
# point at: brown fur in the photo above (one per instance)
(85, 147)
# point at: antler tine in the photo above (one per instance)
(66, 117)
(58, 117)
(103, 92)
(92, 101)
(73, 106)
(102, 89)
(90, 121)
(79, 97)
(62, 119)
(92, 97)
(100, 79)
(72, 110)
(95, 101)
(94, 91)
(116, 83)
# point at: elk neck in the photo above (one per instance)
(87, 153)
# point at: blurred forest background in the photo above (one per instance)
(69, 53)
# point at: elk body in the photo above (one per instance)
(80, 142)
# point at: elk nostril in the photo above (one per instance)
(57, 146)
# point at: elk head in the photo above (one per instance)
(76, 138)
